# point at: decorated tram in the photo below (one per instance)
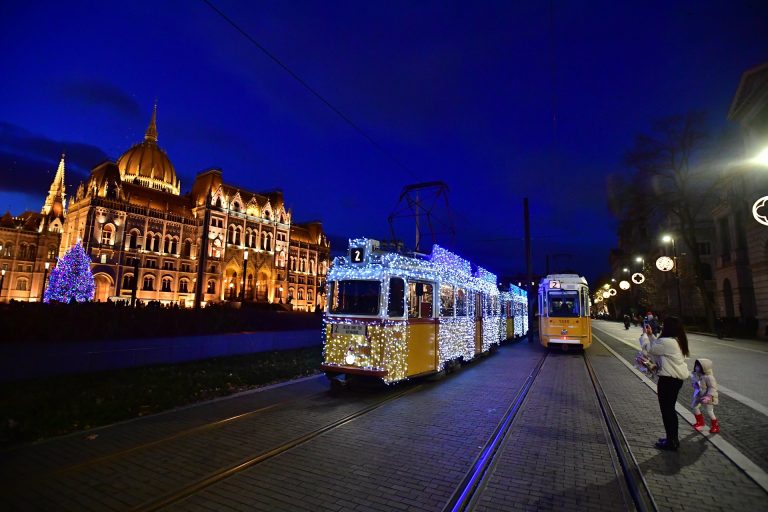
(393, 316)
(564, 311)
(514, 312)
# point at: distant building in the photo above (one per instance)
(150, 243)
(741, 248)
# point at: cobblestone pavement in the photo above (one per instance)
(409, 454)
(741, 424)
(557, 455)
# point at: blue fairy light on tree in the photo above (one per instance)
(72, 278)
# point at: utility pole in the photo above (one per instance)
(528, 264)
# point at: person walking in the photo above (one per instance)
(670, 350)
(704, 393)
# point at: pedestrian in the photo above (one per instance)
(670, 349)
(704, 393)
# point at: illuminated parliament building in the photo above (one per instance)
(148, 242)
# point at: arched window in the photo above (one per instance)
(187, 250)
(51, 252)
(148, 241)
(184, 286)
(215, 249)
(22, 251)
(312, 266)
(107, 234)
(168, 243)
(149, 283)
(309, 295)
(236, 206)
(128, 282)
(291, 293)
(167, 284)
(8, 250)
(218, 202)
(158, 242)
(21, 284)
(303, 265)
(238, 234)
(301, 294)
(211, 286)
(32, 251)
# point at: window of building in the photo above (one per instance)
(309, 296)
(151, 263)
(21, 284)
(8, 250)
(107, 234)
(51, 252)
(704, 249)
(149, 283)
(168, 265)
(103, 258)
(301, 294)
(187, 249)
(184, 286)
(211, 287)
(186, 267)
(167, 284)
(128, 282)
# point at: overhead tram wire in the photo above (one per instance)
(309, 88)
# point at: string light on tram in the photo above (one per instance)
(638, 278)
(624, 285)
(665, 263)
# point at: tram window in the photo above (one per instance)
(355, 297)
(564, 304)
(420, 300)
(396, 304)
(461, 302)
(446, 300)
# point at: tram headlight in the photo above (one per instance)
(350, 359)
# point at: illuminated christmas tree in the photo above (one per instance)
(72, 278)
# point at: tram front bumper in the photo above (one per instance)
(353, 370)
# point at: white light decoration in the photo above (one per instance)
(624, 285)
(384, 344)
(606, 295)
(665, 263)
(638, 278)
(612, 292)
(759, 204)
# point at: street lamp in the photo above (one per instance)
(45, 276)
(667, 239)
(245, 269)
(2, 278)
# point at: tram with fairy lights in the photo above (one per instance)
(514, 313)
(394, 316)
(564, 306)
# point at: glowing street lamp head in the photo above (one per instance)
(761, 158)
(666, 238)
(625, 269)
(639, 259)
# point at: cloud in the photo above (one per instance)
(104, 94)
(28, 161)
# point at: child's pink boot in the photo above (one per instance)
(699, 421)
(715, 428)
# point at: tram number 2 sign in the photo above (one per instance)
(554, 284)
(357, 254)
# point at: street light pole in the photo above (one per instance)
(45, 276)
(668, 238)
(2, 278)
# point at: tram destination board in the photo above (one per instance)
(357, 254)
(354, 329)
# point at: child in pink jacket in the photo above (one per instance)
(704, 394)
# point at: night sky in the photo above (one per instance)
(467, 93)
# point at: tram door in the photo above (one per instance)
(478, 323)
(422, 328)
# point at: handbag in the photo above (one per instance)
(646, 365)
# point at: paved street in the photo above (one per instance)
(410, 446)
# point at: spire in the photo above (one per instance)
(152, 129)
(54, 203)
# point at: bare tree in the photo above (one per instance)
(673, 181)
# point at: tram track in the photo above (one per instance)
(633, 486)
(229, 471)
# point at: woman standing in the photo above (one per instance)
(670, 350)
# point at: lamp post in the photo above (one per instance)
(2, 278)
(45, 276)
(667, 239)
(245, 268)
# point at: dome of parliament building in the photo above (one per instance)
(147, 165)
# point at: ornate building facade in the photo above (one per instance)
(218, 243)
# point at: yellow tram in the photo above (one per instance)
(564, 311)
(394, 316)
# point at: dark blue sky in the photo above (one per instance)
(463, 93)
